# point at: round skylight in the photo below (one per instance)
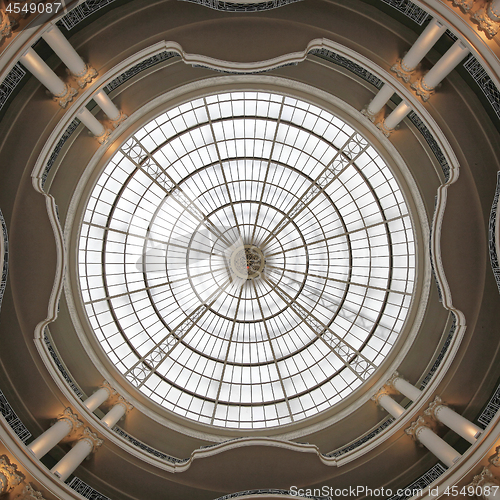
(246, 260)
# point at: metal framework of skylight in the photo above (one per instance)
(246, 259)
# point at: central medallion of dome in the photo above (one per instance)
(246, 260)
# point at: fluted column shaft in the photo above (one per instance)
(422, 45)
(40, 70)
(46, 441)
(64, 50)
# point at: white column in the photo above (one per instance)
(494, 10)
(422, 45)
(113, 415)
(91, 122)
(97, 399)
(463, 427)
(386, 402)
(82, 449)
(65, 51)
(45, 442)
(380, 100)
(445, 65)
(106, 104)
(397, 115)
(406, 389)
(39, 69)
(440, 448)
(67, 465)
(437, 446)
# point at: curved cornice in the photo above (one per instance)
(239, 68)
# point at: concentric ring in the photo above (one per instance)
(247, 260)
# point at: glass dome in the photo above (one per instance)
(246, 260)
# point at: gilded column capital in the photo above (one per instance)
(392, 379)
(109, 387)
(495, 459)
(422, 90)
(86, 76)
(10, 477)
(383, 391)
(119, 120)
(381, 126)
(29, 493)
(72, 419)
(402, 71)
(94, 440)
(65, 97)
(365, 112)
(416, 427)
(128, 406)
(434, 407)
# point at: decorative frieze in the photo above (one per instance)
(29, 493)
(464, 5)
(10, 477)
(7, 23)
(488, 20)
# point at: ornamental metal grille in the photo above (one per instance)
(441, 354)
(335, 58)
(409, 9)
(60, 365)
(5, 267)
(82, 12)
(10, 83)
(242, 295)
(491, 409)
(55, 153)
(147, 448)
(429, 138)
(242, 7)
(484, 82)
(13, 420)
(492, 243)
(85, 490)
(363, 440)
(134, 70)
(421, 483)
(269, 492)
